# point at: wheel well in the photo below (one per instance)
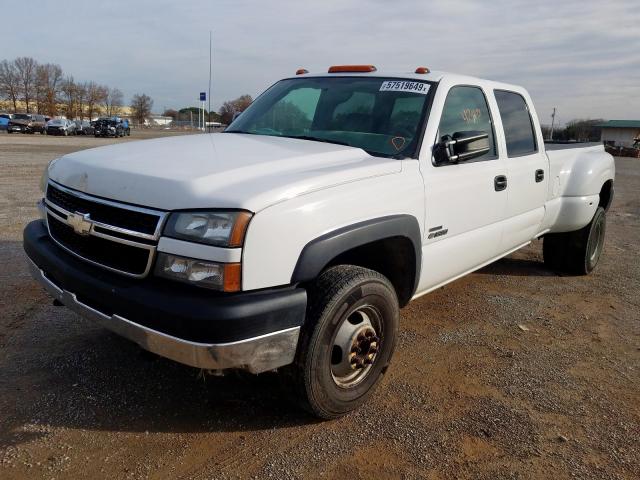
(606, 195)
(393, 257)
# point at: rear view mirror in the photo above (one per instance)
(461, 146)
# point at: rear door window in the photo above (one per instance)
(517, 124)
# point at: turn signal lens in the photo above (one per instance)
(352, 68)
(239, 229)
(232, 277)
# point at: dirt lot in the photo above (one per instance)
(470, 393)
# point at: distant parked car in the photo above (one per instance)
(4, 121)
(107, 127)
(27, 123)
(84, 127)
(61, 126)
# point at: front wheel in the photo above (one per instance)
(348, 340)
(576, 252)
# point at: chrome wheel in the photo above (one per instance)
(596, 243)
(355, 346)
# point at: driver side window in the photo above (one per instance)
(291, 114)
(466, 109)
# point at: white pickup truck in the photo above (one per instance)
(293, 238)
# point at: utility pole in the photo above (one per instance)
(553, 121)
(210, 55)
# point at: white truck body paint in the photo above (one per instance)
(299, 190)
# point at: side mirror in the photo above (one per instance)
(461, 146)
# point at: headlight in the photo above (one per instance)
(44, 179)
(218, 276)
(223, 229)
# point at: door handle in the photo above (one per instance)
(539, 176)
(500, 183)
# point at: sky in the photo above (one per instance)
(581, 56)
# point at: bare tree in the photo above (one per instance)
(26, 70)
(113, 102)
(170, 112)
(48, 83)
(81, 98)
(69, 90)
(95, 96)
(141, 105)
(231, 107)
(9, 83)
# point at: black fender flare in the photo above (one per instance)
(318, 253)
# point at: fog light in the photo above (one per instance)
(218, 276)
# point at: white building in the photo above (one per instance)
(158, 120)
(620, 133)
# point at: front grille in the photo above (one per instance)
(118, 256)
(100, 212)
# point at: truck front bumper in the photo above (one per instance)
(253, 331)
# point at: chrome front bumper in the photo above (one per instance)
(256, 354)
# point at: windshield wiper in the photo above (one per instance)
(316, 139)
(241, 131)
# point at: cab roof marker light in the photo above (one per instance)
(352, 68)
(301, 71)
(422, 70)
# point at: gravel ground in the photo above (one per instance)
(511, 372)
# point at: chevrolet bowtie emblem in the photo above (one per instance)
(80, 222)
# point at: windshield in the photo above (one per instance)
(56, 122)
(382, 116)
(22, 116)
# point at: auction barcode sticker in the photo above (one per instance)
(404, 86)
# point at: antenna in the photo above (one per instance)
(210, 55)
(553, 120)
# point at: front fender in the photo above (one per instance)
(327, 221)
(318, 253)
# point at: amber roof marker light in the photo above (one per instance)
(422, 70)
(301, 71)
(352, 68)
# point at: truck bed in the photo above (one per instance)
(565, 145)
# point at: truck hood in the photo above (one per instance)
(218, 170)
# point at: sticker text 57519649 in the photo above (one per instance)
(404, 86)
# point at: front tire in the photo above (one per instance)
(576, 252)
(348, 340)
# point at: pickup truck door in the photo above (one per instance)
(466, 203)
(527, 169)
